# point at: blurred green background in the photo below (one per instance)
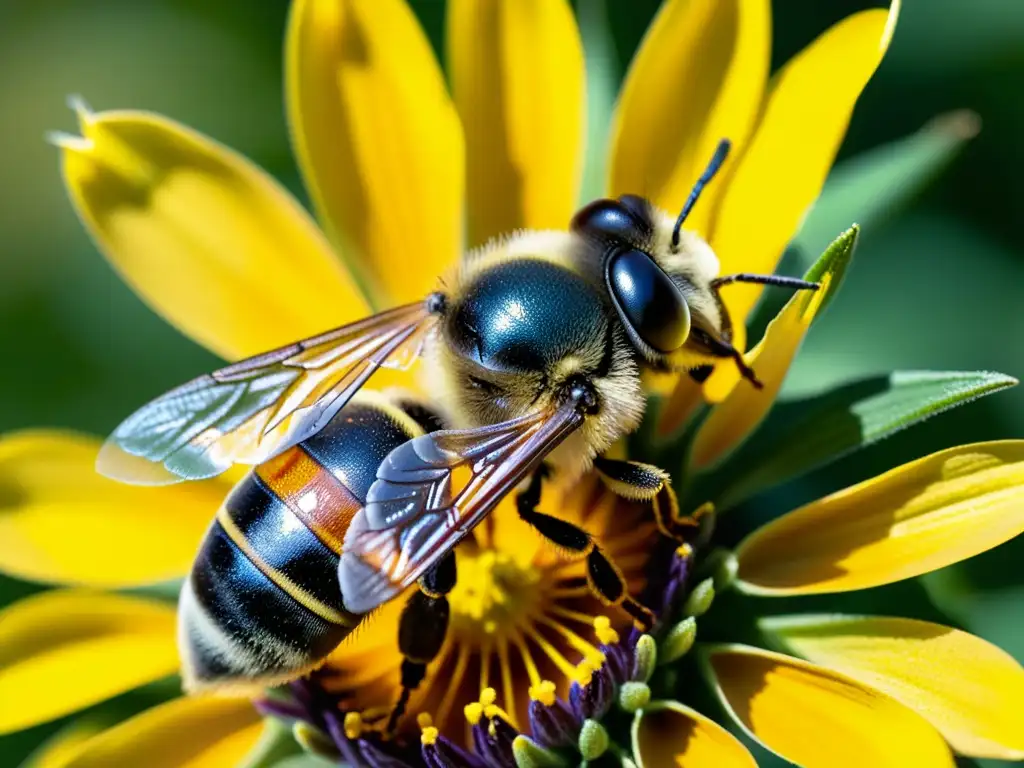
(937, 284)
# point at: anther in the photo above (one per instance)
(544, 692)
(603, 629)
(353, 725)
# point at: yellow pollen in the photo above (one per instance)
(488, 696)
(473, 712)
(584, 672)
(493, 595)
(353, 725)
(424, 720)
(544, 692)
(603, 629)
(429, 736)
(684, 551)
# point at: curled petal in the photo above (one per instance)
(815, 717)
(967, 688)
(378, 141)
(522, 112)
(803, 124)
(917, 518)
(669, 733)
(198, 732)
(61, 522)
(211, 242)
(698, 77)
(744, 408)
(66, 650)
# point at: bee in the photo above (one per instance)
(533, 352)
(262, 604)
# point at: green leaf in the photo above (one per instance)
(801, 435)
(876, 184)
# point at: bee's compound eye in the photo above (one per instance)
(649, 301)
(612, 220)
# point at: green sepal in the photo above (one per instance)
(678, 641)
(313, 740)
(529, 754)
(593, 740)
(634, 696)
(699, 600)
(645, 657)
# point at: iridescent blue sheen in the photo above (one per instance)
(526, 315)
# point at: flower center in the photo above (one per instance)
(494, 595)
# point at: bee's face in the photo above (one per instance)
(660, 288)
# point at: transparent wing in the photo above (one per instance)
(250, 411)
(414, 514)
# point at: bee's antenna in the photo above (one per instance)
(709, 173)
(779, 280)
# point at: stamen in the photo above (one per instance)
(603, 629)
(485, 663)
(429, 736)
(583, 673)
(527, 657)
(551, 652)
(506, 674)
(567, 613)
(473, 712)
(353, 725)
(577, 642)
(544, 692)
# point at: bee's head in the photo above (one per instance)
(652, 307)
(657, 274)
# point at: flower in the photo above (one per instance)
(398, 170)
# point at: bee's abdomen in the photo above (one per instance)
(264, 600)
(263, 604)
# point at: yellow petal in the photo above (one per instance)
(65, 650)
(667, 733)
(58, 750)
(745, 407)
(378, 141)
(814, 717)
(679, 406)
(61, 522)
(803, 124)
(207, 239)
(917, 518)
(698, 77)
(194, 732)
(725, 377)
(518, 82)
(967, 688)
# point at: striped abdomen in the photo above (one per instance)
(262, 604)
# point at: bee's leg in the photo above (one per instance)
(603, 576)
(646, 482)
(422, 629)
(719, 347)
